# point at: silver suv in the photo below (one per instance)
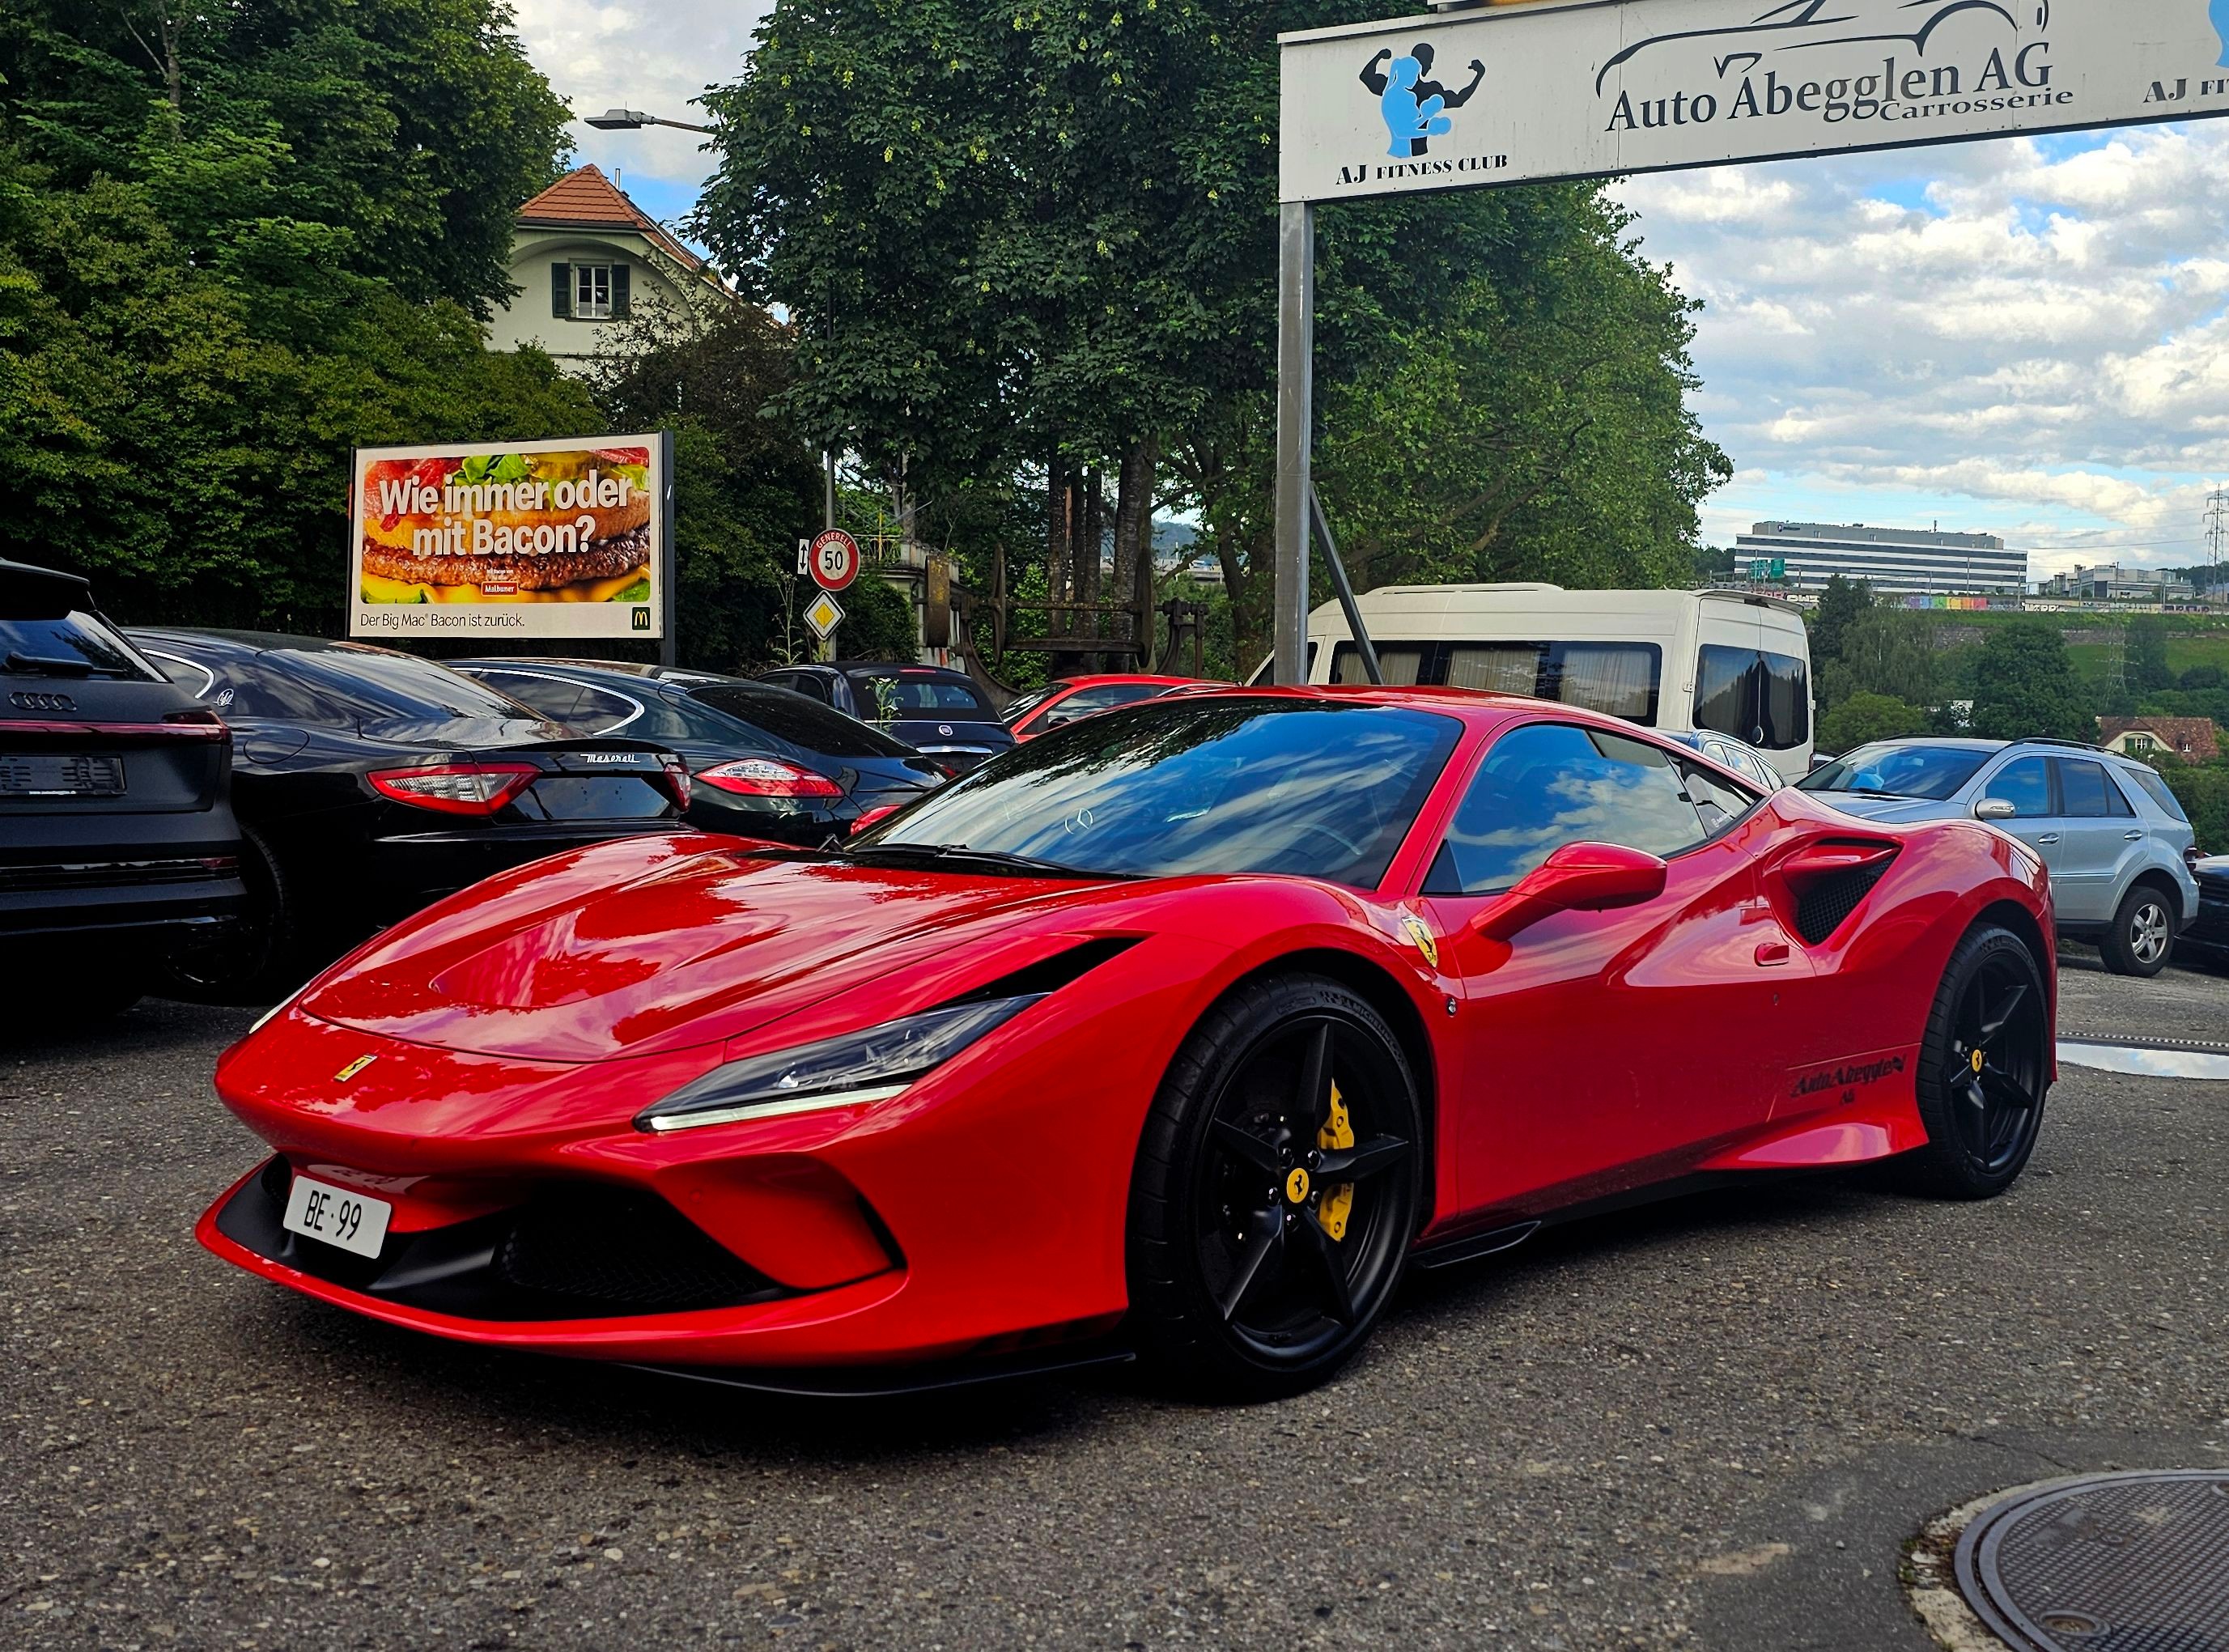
(2118, 845)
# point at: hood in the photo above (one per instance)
(689, 949)
(1889, 811)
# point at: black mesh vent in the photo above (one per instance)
(577, 1252)
(632, 1252)
(1825, 905)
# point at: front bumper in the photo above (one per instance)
(978, 1215)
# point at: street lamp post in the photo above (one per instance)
(634, 120)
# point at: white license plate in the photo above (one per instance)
(338, 1216)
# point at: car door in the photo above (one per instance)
(2098, 835)
(2027, 784)
(1599, 1049)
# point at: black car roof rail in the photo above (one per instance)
(2075, 745)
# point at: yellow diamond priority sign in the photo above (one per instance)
(823, 616)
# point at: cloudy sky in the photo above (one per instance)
(2023, 337)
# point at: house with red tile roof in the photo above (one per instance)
(2194, 740)
(586, 261)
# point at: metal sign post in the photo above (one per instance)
(669, 576)
(1559, 89)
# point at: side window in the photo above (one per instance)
(1719, 803)
(2026, 786)
(1401, 663)
(2089, 791)
(2156, 789)
(1547, 785)
(553, 697)
(1085, 701)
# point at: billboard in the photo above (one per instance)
(1597, 88)
(508, 540)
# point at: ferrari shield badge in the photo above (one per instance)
(353, 1069)
(1413, 927)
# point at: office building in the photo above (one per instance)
(1892, 560)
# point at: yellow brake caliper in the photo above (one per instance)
(1338, 1133)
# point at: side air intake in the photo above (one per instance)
(1830, 880)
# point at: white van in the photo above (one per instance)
(1679, 661)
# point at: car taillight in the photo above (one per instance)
(768, 777)
(677, 781)
(456, 788)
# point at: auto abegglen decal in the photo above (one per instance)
(1852, 1077)
(2016, 72)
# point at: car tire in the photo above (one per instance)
(2142, 937)
(259, 961)
(1984, 1071)
(1253, 1274)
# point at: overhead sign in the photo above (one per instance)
(1593, 88)
(835, 560)
(565, 538)
(823, 616)
(1768, 567)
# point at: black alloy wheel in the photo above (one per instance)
(1277, 1191)
(1984, 1068)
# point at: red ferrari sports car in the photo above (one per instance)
(1181, 1031)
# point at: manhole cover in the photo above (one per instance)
(2111, 1563)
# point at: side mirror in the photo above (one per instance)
(1994, 808)
(1578, 878)
(870, 817)
(1819, 760)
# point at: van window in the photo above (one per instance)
(1622, 679)
(1762, 698)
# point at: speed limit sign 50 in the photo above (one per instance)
(834, 561)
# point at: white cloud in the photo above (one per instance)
(2025, 336)
(655, 56)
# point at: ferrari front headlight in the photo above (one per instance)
(869, 1066)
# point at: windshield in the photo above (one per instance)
(898, 694)
(1175, 787)
(1932, 772)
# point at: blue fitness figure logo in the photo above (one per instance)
(1413, 105)
(2219, 11)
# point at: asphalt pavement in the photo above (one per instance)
(1713, 1423)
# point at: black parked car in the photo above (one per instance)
(942, 714)
(2206, 940)
(370, 783)
(764, 763)
(117, 844)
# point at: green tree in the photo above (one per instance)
(1883, 652)
(1840, 604)
(2148, 671)
(204, 300)
(1027, 246)
(2025, 687)
(411, 129)
(1863, 718)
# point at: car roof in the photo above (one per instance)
(634, 671)
(901, 667)
(1102, 678)
(259, 642)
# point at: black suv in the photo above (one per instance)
(939, 713)
(118, 847)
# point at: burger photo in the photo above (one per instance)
(571, 526)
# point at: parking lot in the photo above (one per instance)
(1713, 1424)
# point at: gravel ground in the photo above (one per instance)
(1711, 1424)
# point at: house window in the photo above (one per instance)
(2141, 743)
(592, 291)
